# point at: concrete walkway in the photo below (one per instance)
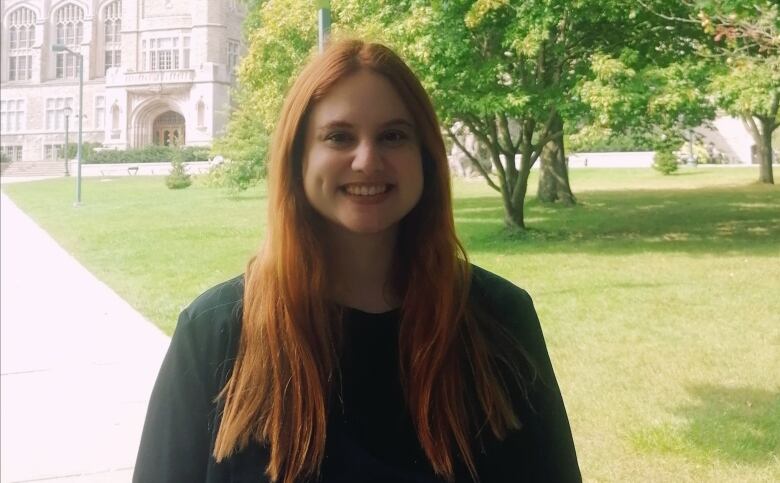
(77, 364)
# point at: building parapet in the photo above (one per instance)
(130, 79)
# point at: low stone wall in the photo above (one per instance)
(136, 169)
(637, 159)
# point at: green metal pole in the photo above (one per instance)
(81, 120)
(67, 172)
(324, 23)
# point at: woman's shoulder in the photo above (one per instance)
(512, 308)
(215, 312)
(497, 292)
(223, 299)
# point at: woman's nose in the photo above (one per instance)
(368, 158)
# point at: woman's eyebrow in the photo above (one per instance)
(347, 125)
(335, 124)
(397, 122)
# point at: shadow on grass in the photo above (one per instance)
(736, 424)
(702, 221)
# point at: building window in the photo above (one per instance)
(53, 152)
(12, 115)
(112, 24)
(21, 37)
(100, 112)
(55, 112)
(11, 153)
(164, 53)
(232, 57)
(186, 52)
(70, 26)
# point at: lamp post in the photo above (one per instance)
(62, 48)
(67, 112)
(323, 22)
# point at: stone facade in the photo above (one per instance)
(155, 72)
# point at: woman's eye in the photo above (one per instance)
(394, 137)
(338, 138)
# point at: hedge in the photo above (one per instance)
(148, 154)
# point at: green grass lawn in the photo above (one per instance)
(659, 297)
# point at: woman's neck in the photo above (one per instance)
(359, 268)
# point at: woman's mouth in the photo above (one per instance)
(366, 189)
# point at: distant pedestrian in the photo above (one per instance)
(360, 345)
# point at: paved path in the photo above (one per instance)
(77, 364)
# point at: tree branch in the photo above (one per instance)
(509, 154)
(505, 133)
(495, 148)
(489, 144)
(666, 17)
(751, 125)
(474, 160)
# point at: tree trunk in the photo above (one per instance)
(513, 204)
(765, 151)
(513, 213)
(553, 171)
(761, 132)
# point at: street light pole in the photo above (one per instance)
(67, 111)
(81, 121)
(62, 48)
(324, 22)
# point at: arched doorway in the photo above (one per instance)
(168, 129)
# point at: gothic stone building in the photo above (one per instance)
(155, 72)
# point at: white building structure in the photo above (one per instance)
(155, 72)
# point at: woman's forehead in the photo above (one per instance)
(364, 98)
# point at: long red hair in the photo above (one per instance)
(278, 393)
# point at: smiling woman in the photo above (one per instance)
(362, 166)
(360, 345)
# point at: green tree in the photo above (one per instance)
(657, 103)
(748, 33)
(656, 87)
(511, 73)
(745, 56)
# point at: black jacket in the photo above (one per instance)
(370, 438)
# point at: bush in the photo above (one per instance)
(665, 161)
(88, 150)
(150, 154)
(178, 179)
(192, 153)
(245, 144)
(610, 143)
(245, 166)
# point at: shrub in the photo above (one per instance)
(610, 142)
(88, 150)
(245, 166)
(178, 179)
(665, 161)
(193, 153)
(245, 144)
(150, 154)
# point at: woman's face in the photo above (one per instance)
(362, 162)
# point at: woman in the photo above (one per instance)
(360, 345)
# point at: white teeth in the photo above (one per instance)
(366, 190)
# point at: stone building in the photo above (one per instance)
(155, 72)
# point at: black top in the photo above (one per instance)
(370, 436)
